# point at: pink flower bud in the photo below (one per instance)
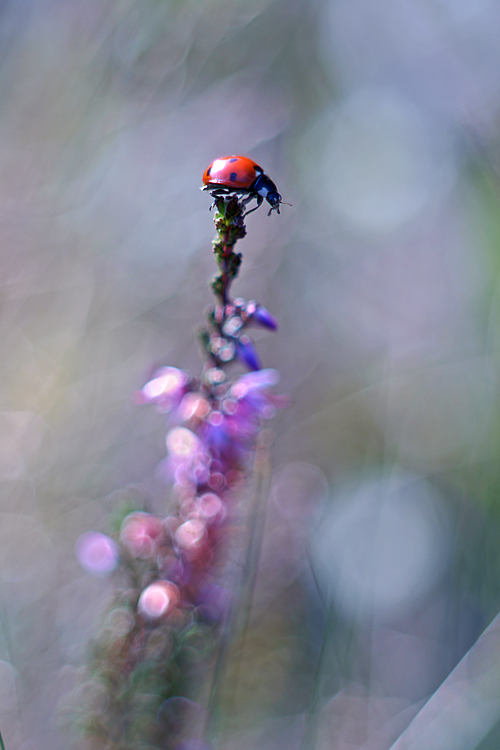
(211, 507)
(140, 533)
(190, 534)
(158, 599)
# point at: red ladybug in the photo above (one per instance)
(239, 174)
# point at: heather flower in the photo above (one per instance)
(166, 388)
(174, 597)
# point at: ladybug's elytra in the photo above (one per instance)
(239, 174)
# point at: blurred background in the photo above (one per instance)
(379, 123)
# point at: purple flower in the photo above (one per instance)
(166, 388)
(249, 391)
(247, 353)
(188, 459)
(215, 433)
(194, 406)
(261, 316)
(261, 379)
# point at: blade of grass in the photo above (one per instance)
(238, 622)
(466, 706)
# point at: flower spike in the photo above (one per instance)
(173, 604)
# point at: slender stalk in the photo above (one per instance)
(149, 671)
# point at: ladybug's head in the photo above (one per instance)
(274, 200)
(266, 188)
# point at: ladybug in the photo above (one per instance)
(239, 174)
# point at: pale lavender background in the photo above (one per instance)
(379, 123)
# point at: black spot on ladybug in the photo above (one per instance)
(231, 160)
(258, 169)
(233, 175)
(209, 170)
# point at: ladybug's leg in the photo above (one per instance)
(247, 199)
(259, 203)
(216, 193)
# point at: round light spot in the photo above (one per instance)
(382, 161)
(97, 553)
(157, 599)
(382, 544)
